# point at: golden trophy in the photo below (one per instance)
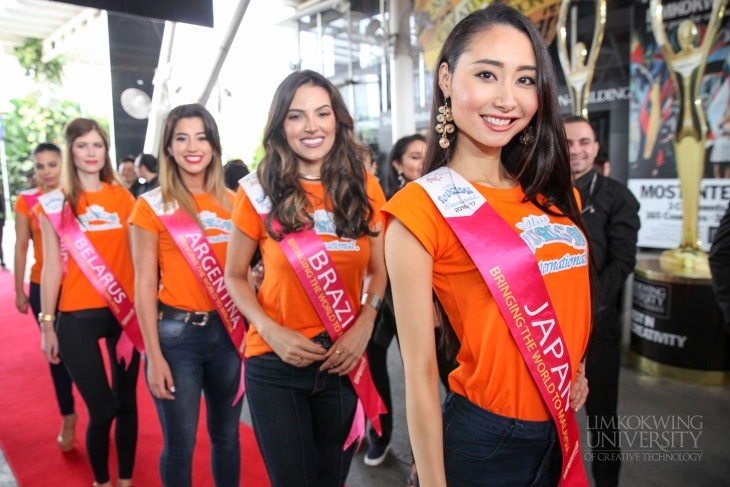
(677, 330)
(579, 68)
(687, 67)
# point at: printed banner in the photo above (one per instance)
(653, 119)
(435, 19)
(661, 210)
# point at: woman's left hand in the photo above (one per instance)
(579, 394)
(345, 354)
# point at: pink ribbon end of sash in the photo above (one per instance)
(241, 385)
(357, 431)
(125, 350)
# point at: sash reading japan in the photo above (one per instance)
(512, 275)
(196, 250)
(326, 291)
(96, 271)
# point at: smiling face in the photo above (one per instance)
(411, 163)
(492, 88)
(583, 147)
(310, 126)
(89, 152)
(47, 169)
(190, 147)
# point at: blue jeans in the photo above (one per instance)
(301, 418)
(485, 449)
(201, 358)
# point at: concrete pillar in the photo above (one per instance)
(402, 106)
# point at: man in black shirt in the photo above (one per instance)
(611, 213)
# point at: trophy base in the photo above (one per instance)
(677, 329)
(685, 262)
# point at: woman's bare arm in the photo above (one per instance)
(291, 346)
(410, 268)
(352, 344)
(50, 286)
(22, 238)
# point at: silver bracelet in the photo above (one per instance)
(371, 299)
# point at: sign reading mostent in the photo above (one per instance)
(661, 210)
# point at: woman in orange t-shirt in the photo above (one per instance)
(101, 206)
(495, 79)
(302, 402)
(47, 170)
(187, 345)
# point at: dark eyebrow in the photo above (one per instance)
(316, 109)
(500, 64)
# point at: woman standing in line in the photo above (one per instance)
(47, 170)
(311, 206)
(186, 333)
(93, 208)
(497, 194)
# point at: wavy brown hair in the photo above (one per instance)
(171, 184)
(542, 167)
(69, 177)
(343, 170)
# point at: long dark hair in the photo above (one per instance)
(542, 167)
(343, 171)
(391, 184)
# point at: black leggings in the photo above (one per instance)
(78, 336)
(61, 380)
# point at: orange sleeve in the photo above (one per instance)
(414, 208)
(145, 218)
(21, 206)
(245, 218)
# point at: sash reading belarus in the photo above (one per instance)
(96, 271)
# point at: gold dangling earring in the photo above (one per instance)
(526, 137)
(444, 127)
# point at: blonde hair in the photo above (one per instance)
(171, 184)
(70, 182)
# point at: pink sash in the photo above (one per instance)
(326, 291)
(96, 271)
(510, 270)
(193, 244)
(31, 197)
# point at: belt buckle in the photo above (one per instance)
(198, 323)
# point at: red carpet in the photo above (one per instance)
(30, 421)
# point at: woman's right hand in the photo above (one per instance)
(159, 378)
(292, 347)
(21, 302)
(49, 345)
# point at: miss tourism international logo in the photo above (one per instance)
(538, 231)
(97, 219)
(211, 221)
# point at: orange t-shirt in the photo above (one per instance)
(180, 287)
(281, 294)
(102, 215)
(21, 207)
(491, 371)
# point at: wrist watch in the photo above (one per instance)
(44, 317)
(371, 299)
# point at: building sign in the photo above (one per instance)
(435, 19)
(652, 122)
